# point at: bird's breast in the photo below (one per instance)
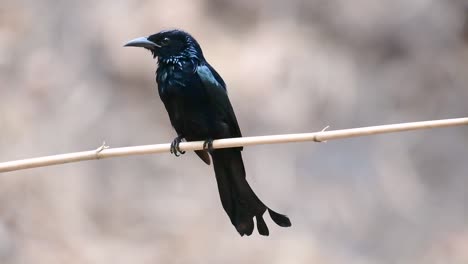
(179, 82)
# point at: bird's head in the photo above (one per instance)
(169, 44)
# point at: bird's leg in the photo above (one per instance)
(175, 149)
(208, 145)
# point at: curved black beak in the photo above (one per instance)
(142, 42)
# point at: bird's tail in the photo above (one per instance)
(238, 199)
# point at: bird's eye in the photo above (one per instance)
(164, 41)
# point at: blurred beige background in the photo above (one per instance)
(67, 84)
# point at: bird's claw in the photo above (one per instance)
(175, 149)
(208, 145)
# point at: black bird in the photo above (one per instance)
(197, 102)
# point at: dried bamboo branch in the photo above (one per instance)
(105, 152)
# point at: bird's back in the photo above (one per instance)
(196, 109)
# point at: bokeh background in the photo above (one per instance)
(67, 84)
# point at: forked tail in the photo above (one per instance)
(238, 199)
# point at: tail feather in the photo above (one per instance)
(262, 227)
(279, 219)
(245, 226)
(237, 197)
(203, 156)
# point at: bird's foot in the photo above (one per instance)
(208, 145)
(175, 149)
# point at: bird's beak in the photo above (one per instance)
(142, 42)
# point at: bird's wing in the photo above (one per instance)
(216, 90)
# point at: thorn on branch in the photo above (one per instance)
(101, 148)
(318, 140)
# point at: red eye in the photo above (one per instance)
(164, 41)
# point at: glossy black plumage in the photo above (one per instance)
(196, 100)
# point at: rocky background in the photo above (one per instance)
(66, 84)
